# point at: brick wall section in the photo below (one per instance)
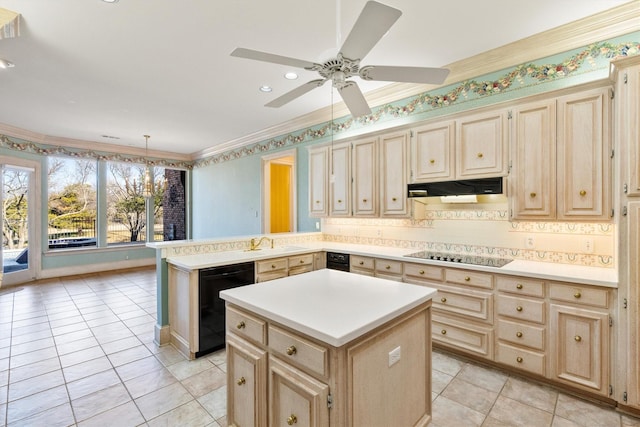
(174, 203)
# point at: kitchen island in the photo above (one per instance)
(329, 348)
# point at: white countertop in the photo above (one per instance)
(598, 276)
(332, 306)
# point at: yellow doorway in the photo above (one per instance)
(279, 192)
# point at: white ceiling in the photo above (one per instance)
(85, 68)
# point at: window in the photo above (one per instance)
(126, 205)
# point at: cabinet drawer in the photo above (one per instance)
(300, 269)
(265, 277)
(298, 260)
(422, 271)
(469, 278)
(516, 285)
(465, 336)
(521, 308)
(477, 305)
(583, 295)
(246, 325)
(520, 358)
(362, 262)
(521, 334)
(298, 350)
(388, 267)
(271, 265)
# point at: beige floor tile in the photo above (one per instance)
(585, 413)
(145, 384)
(163, 400)
(3, 395)
(34, 336)
(34, 369)
(129, 355)
(99, 402)
(92, 384)
(439, 380)
(33, 357)
(443, 362)
(126, 415)
(531, 394)
(168, 355)
(218, 357)
(449, 413)
(69, 328)
(215, 402)
(119, 345)
(187, 368)
(30, 329)
(78, 345)
(59, 416)
(205, 381)
(518, 414)
(64, 321)
(138, 368)
(492, 422)
(81, 356)
(629, 421)
(73, 336)
(470, 395)
(85, 369)
(36, 403)
(486, 378)
(561, 422)
(30, 346)
(191, 414)
(31, 321)
(20, 389)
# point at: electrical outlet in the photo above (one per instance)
(530, 242)
(394, 356)
(378, 232)
(317, 225)
(588, 245)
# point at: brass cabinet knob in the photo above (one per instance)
(317, 201)
(519, 359)
(583, 193)
(443, 332)
(291, 350)
(519, 334)
(480, 155)
(467, 279)
(443, 299)
(301, 261)
(432, 161)
(241, 381)
(241, 325)
(292, 420)
(519, 308)
(364, 200)
(273, 266)
(393, 199)
(339, 201)
(361, 262)
(519, 286)
(532, 195)
(577, 295)
(421, 271)
(388, 267)
(578, 338)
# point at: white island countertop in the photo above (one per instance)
(332, 306)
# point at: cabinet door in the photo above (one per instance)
(365, 177)
(629, 112)
(296, 398)
(318, 173)
(432, 152)
(481, 145)
(247, 383)
(393, 174)
(584, 156)
(630, 258)
(340, 180)
(580, 348)
(534, 161)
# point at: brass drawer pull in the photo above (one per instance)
(292, 350)
(339, 201)
(301, 261)
(578, 338)
(273, 266)
(421, 271)
(577, 295)
(317, 201)
(519, 308)
(388, 267)
(241, 381)
(532, 194)
(393, 199)
(519, 359)
(432, 161)
(480, 155)
(364, 200)
(361, 262)
(519, 334)
(241, 325)
(519, 286)
(443, 300)
(443, 332)
(292, 420)
(467, 279)
(583, 193)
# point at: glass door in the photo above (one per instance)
(18, 202)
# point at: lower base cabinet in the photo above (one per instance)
(247, 394)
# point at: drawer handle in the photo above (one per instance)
(443, 299)
(273, 266)
(583, 193)
(292, 420)
(241, 325)
(519, 359)
(532, 195)
(361, 262)
(387, 267)
(291, 350)
(578, 338)
(577, 295)
(467, 279)
(443, 332)
(519, 308)
(432, 161)
(519, 334)
(480, 155)
(241, 381)
(339, 201)
(421, 272)
(393, 199)
(317, 201)
(301, 261)
(519, 286)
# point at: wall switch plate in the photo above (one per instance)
(529, 242)
(394, 356)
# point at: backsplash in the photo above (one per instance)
(482, 230)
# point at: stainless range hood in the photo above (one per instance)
(456, 188)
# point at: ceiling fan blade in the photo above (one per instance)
(269, 57)
(373, 23)
(353, 97)
(295, 93)
(404, 74)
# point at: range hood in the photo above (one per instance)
(456, 188)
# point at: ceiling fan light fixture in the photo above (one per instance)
(266, 88)
(291, 76)
(6, 64)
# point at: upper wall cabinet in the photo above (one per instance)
(481, 145)
(628, 125)
(394, 169)
(318, 180)
(432, 152)
(365, 177)
(340, 180)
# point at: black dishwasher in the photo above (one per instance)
(338, 261)
(211, 316)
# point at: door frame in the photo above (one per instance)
(287, 157)
(34, 223)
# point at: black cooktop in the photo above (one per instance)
(461, 259)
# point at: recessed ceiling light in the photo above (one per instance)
(6, 64)
(265, 88)
(291, 76)
(110, 1)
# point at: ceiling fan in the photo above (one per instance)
(372, 24)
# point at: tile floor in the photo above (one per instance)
(79, 352)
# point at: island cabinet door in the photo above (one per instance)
(247, 384)
(296, 399)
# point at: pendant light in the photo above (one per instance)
(147, 189)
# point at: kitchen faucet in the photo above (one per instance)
(253, 246)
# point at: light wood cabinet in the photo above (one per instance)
(632, 301)
(318, 181)
(481, 145)
(388, 269)
(183, 309)
(340, 180)
(362, 265)
(628, 125)
(277, 268)
(432, 152)
(365, 177)
(394, 169)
